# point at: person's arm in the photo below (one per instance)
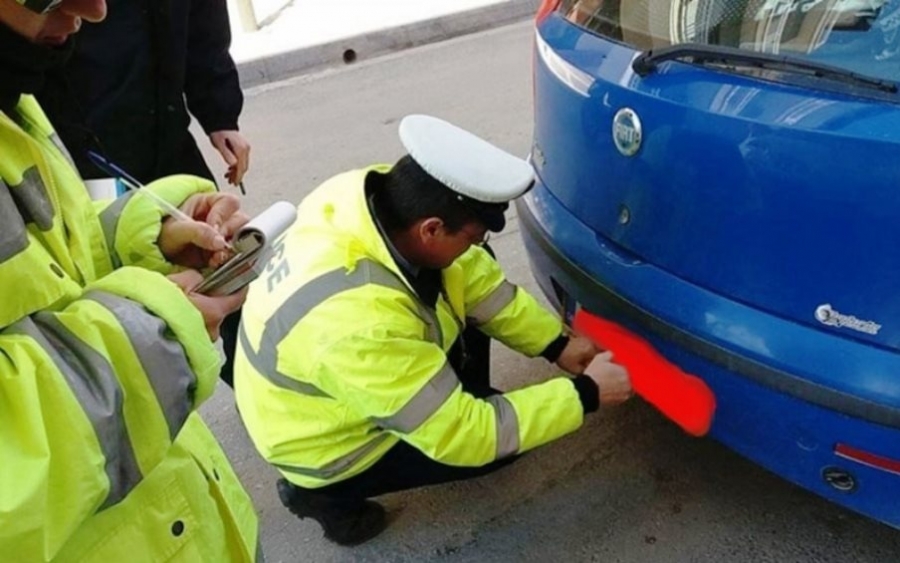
(133, 223)
(212, 86)
(507, 312)
(407, 387)
(91, 396)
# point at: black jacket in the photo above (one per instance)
(128, 86)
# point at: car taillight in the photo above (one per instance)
(547, 7)
(868, 458)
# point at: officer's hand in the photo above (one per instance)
(611, 378)
(213, 309)
(219, 210)
(202, 243)
(577, 354)
(235, 151)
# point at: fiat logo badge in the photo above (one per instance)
(626, 130)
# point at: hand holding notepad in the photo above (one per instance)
(253, 248)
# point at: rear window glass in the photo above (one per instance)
(858, 35)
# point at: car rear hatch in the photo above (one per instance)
(774, 186)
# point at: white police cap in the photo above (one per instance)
(466, 164)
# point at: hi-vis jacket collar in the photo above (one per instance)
(466, 164)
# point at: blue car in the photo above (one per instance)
(723, 178)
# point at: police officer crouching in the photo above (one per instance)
(362, 363)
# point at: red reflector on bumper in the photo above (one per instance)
(682, 397)
(866, 458)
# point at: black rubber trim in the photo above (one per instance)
(605, 301)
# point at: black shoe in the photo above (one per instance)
(344, 522)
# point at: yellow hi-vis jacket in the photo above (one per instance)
(339, 360)
(102, 362)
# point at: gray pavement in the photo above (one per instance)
(628, 486)
(314, 34)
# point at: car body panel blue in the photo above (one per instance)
(765, 409)
(752, 201)
(781, 197)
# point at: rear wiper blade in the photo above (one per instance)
(647, 62)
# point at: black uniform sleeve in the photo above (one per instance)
(554, 349)
(588, 393)
(212, 86)
(586, 387)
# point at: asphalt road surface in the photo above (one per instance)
(628, 486)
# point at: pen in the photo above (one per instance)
(232, 167)
(126, 178)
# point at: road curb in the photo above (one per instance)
(365, 46)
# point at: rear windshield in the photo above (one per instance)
(857, 35)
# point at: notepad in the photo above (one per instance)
(253, 248)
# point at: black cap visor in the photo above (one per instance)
(491, 214)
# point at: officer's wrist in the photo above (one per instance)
(588, 393)
(553, 350)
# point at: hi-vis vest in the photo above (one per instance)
(339, 360)
(101, 366)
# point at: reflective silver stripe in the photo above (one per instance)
(507, 426)
(109, 221)
(162, 359)
(33, 200)
(13, 236)
(330, 284)
(305, 299)
(491, 305)
(340, 465)
(267, 369)
(57, 142)
(94, 385)
(426, 402)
